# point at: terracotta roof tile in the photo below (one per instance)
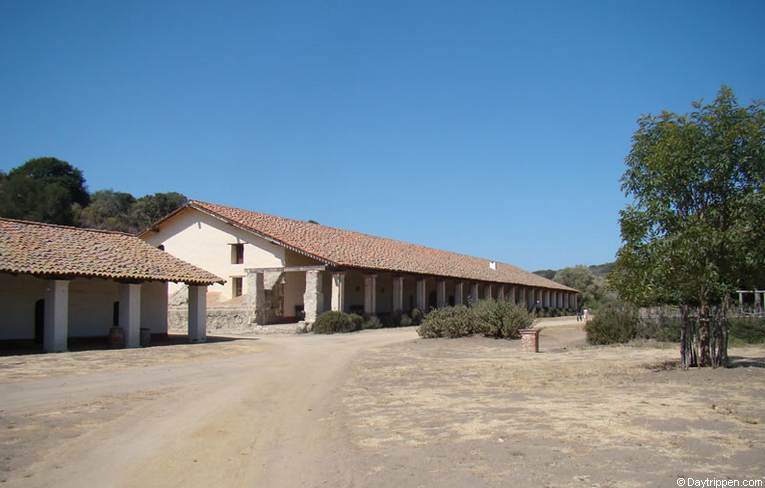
(346, 248)
(55, 250)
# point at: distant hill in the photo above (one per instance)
(597, 270)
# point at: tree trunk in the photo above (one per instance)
(687, 339)
(705, 358)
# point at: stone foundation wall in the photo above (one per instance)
(232, 320)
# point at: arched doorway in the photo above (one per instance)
(39, 321)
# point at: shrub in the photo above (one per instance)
(405, 320)
(746, 330)
(358, 320)
(448, 322)
(417, 316)
(333, 322)
(614, 324)
(371, 322)
(500, 319)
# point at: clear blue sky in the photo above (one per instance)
(497, 129)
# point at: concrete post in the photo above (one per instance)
(458, 293)
(398, 294)
(256, 297)
(130, 313)
(338, 292)
(474, 292)
(56, 330)
(441, 293)
(501, 293)
(197, 313)
(422, 299)
(370, 294)
(313, 298)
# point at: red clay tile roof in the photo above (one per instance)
(56, 250)
(344, 248)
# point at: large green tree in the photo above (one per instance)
(43, 189)
(109, 210)
(150, 208)
(695, 231)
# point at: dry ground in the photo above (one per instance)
(378, 408)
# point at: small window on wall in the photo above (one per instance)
(237, 253)
(236, 282)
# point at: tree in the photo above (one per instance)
(695, 230)
(593, 288)
(109, 210)
(43, 189)
(150, 208)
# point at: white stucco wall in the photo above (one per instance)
(91, 303)
(205, 241)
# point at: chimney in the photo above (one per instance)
(493, 265)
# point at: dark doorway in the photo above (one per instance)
(432, 299)
(39, 321)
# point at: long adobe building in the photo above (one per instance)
(288, 269)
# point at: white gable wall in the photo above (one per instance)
(205, 241)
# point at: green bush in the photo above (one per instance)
(746, 330)
(417, 316)
(358, 320)
(614, 324)
(334, 322)
(372, 322)
(500, 319)
(449, 322)
(405, 320)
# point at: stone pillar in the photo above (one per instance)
(130, 313)
(474, 292)
(197, 313)
(440, 293)
(487, 292)
(422, 299)
(458, 293)
(529, 340)
(256, 296)
(370, 294)
(56, 314)
(313, 298)
(523, 299)
(513, 296)
(338, 292)
(501, 293)
(398, 294)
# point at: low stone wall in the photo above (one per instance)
(225, 320)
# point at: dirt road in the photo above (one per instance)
(378, 409)
(261, 416)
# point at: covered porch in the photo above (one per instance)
(301, 293)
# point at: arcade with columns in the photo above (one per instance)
(303, 292)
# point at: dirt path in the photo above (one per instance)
(264, 418)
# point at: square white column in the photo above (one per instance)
(441, 293)
(370, 294)
(459, 293)
(501, 293)
(487, 292)
(422, 299)
(474, 292)
(338, 292)
(398, 294)
(56, 315)
(313, 298)
(197, 313)
(130, 313)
